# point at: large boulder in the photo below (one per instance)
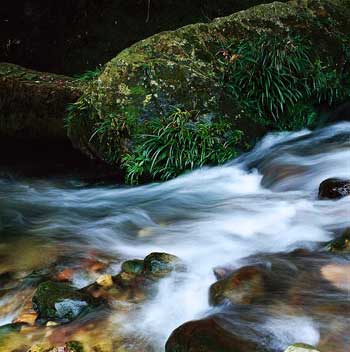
(180, 68)
(207, 336)
(334, 188)
(33, 105)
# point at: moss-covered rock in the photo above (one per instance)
(159, 265)
(180, 68)
(301, 347)
(33, 104)
(60, 302)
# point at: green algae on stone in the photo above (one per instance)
(134, 266)
(60, 302)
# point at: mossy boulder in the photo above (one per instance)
(33, 104)
(180, 68)
(60, 302)
(334, 188)
(207, 335)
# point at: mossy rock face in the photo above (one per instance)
(180, 68)
(60, 302)
(207, 336)
(33, 104)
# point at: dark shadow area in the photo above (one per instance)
(50, 159)
(71, 36)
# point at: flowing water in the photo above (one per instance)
(260, 208)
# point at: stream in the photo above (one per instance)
(260, 208)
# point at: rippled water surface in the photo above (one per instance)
(261, 208)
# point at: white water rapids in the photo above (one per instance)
(263, 202)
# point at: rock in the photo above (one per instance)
(106, 281)
(152, 76)
(9, 328)
(338, 275)
(340, 244)
(51, 324)
(33, 104)
(207, 336)
(334, 188)
(301, 347)
(60, 302)
(134, 266)
(158, 265)
(221, 273)
(244, 286)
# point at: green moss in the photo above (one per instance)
(134, 266)
(159, 265)
(60, 302)
(75, 346)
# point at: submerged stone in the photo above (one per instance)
(334, 188)
(244, 286)
(60, 302)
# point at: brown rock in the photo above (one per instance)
(241, 287)
(207, 336)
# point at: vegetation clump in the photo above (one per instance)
(281, 79)
(182, 141)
